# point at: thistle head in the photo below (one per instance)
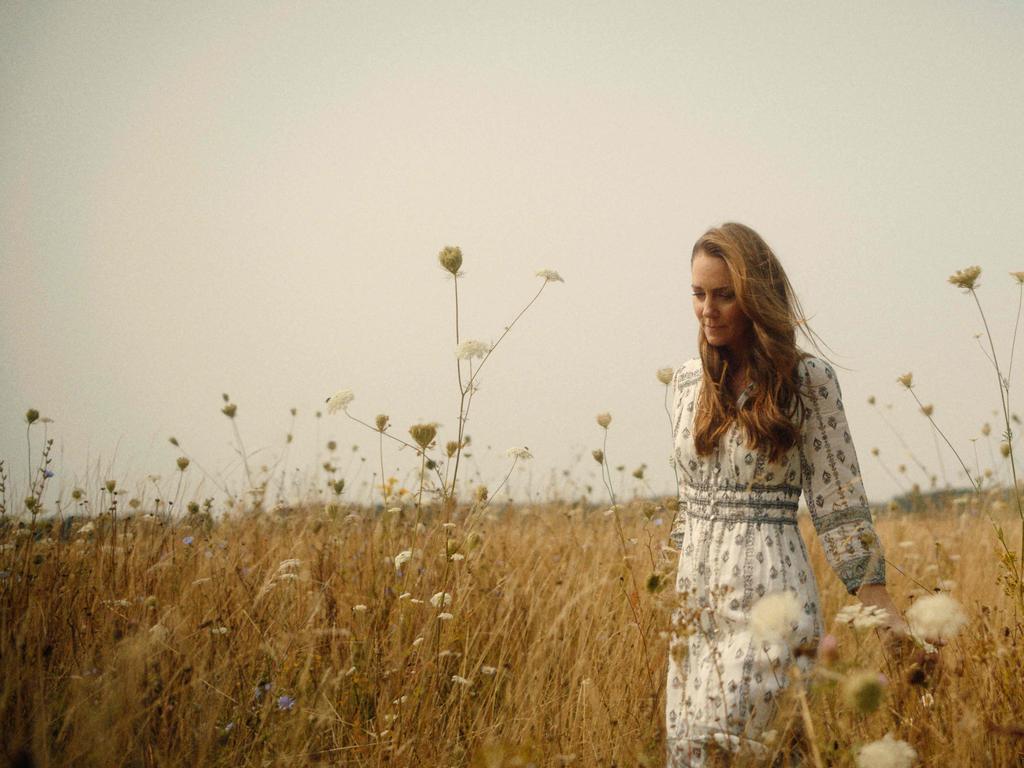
(966, 278)
(450, 259)
(664, 376)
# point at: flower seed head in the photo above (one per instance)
(966, 278)
(382, 422)
(451, 259)
(183, 463)
(936, 617)
(665, 376)
(173, 441)
(907, 380)
(229, 410)
(31, 415)
(423, 434)
(519, 453)
(986, 429)
(110, 485)
(598, 455)
(604, 419)
(928, 409)
(887, 751)
(1019, 276)
(1004, 448)
(550, 276)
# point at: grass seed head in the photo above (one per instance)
(450, 259)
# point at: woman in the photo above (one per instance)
(757, 422)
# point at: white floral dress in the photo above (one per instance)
(737, 533)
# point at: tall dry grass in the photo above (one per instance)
(206, 644)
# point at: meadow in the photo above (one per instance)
(445, 626)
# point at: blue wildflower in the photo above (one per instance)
(47, 474)
(187, 541)
(285, 702)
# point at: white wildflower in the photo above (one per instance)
(441, 599)
(461, 680)
(456, 556)
(472, 348)
(887, 752)
(862, 616)
(550, 276)
(936, 617)
(519, 453)
(87, 528)
(405, 595)
(340, 400)
(774, 617)
(360, 608)
(403, 557)
(445, 617)
(415, 601)
(665, 375)
(417, 641)
(489, 671)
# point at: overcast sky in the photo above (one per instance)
(249, 198)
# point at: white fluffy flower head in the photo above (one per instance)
(340, 400)
(441, 598)
(774, 617)
(887, 752)
(550, 276)
(862, 616)
(519, 453)
(936, 617)
(471, 348)
(403, 557)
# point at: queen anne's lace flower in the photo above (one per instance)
(471, 348)
(340, 400)
(862, 616)
(403, 557)
(550, 276)
(441, 599)
(519, 453)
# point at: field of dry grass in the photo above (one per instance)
(291, 638)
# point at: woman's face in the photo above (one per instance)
(714, 303)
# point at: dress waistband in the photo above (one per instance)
(776, 505)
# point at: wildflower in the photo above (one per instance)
(966, 278)
(461, 680)
(457, 556)
(1019, 276)
(445, 617)
(47, 474)
(519, 453)
(360, 608)
(906, 380)
(183, 463)
(871, 399)
(441, 600)
(340, 400)
(489, 671)
(31, 416)
(285, 703)
(862, 691)
(382, 422)
(229, 410)
(187, 541)
(403, 557)
(417, 641)
(423, 434)
(1004, 449)
(77, 494)
(472, 348)
(774, 617)
(110, 485)
(936, 617)
(874, 451)
(481, 493)
(887, 752)
(87, 528)
(450, 259)
(928, 409)
(665, 375)
(405, 595)
(598, 455)
(604, 419)
(986, 429)
(550, 276)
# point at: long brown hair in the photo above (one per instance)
(771, 420)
